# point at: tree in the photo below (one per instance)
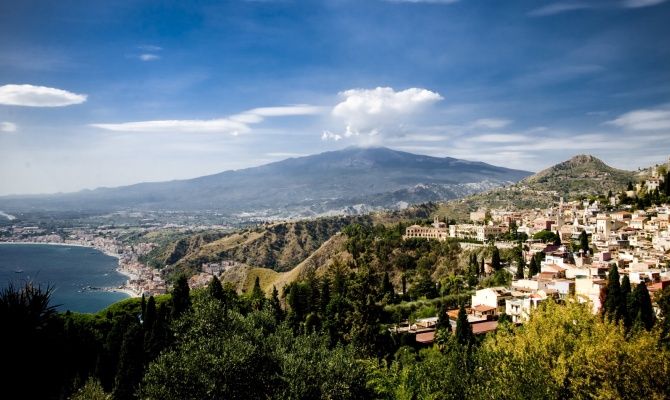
(92, 390)
(495, 259)
(463, 329)
(131, 364)
(181, 300)
(584, 242)
(625, 301)
(257, 295)
(387, 290)
(275, 305)
(613, 299)
(533, 268)
(149, 315)
(482, 270)
(642, 312)
(663, 302)
(215, 289)
(520, 266)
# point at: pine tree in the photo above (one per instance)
(495, 259)
(181, 300)
(215, 289)
(463, 328)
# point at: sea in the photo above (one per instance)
(80, 276)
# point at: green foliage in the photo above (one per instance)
(181, 300)
(546, 236)
(92, 390)
(567, 352)
(463, 329)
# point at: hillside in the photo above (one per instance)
(349, 181)
(582, 175)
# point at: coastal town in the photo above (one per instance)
(141, 279)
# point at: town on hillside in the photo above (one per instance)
(569, 252)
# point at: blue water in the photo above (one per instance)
(71, 270)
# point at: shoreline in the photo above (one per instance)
(123, 289)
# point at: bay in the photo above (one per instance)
(79, 275)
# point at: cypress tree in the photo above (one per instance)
(520, 268)
(387, 288)
(642, 312)
(495, 259)
(533, 268)
(131, 365)
(613, 299)
(257, 295)
(181, 300)
(143, 305)
(463, 328)
(443, 319)
(584, 242)
(149, 316)
(625, 301)
(275, 305)
(215, 289)
(482, 270)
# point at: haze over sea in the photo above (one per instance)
(78, 274)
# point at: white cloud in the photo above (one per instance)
(371, 111)
(148, 57)
(328, 135)
(8, 127)
(566, 6)
(149, 48)
(500, 138)
(560, 7)
(641, 3)
(363, 103)
(233, 125)
(644, 120)
(38, 96)
(424, 1)
(491, 123)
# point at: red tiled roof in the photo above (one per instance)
(483, 308)
(425, 337)
(484, 327)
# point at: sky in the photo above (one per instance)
(112, 93)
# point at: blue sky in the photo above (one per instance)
(96, 94)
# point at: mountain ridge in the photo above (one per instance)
(303, 186)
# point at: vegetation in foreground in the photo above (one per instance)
(329, 342)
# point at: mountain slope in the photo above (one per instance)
(582, 175)
(335, 181)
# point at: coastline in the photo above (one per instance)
(120, 289)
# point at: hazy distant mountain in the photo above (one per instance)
(351, 180)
